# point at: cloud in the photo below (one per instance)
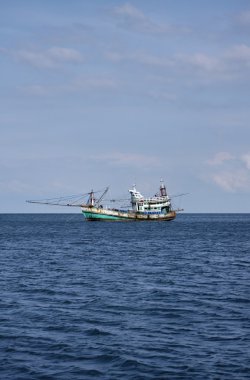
(220, 158)
(75, 86)
(232, 181)
(141, 58)
(232, 172)
(225, 66)
(178, 61)
(128, 10)
(200, 61)
(162, 95)
(246, 159)
(49, 58)
(128, 159)
(243, 18)
(94, 82)
(240, 53)
(132, 18)
(37, 90)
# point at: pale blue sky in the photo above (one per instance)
(97, 93)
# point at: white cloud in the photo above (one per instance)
(129, 159)
(37, 90)
(201, 61)
(233, 180)
(77, 85)
(220, 158)
(49, 58)
(130, 11)
(228, 65)
(140, 57)
(179, 61)
(94, 82)
(246, 159)
(244, 18)
(133, 18)
(162, 95)
(238, 53)
(65, 54)
(231, 173)
(153, 60)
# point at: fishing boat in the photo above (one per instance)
(155, 208)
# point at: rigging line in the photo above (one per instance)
(54, 204)
(80, 199)
(66, 197)
(77, 200)
(179, 195)
(59, 199)
(74, 196)
(51, 201)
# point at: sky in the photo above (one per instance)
(112, 93)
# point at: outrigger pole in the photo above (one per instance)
(69, 201)
(101, 197)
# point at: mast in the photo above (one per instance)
(91, 200)
(97, 204)
(163, 191)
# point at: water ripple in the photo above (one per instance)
(124, 301)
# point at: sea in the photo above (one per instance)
(124, 300)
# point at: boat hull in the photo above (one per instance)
(98, 214)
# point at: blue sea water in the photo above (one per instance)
(159, 300)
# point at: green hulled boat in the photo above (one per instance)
(157, 208)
